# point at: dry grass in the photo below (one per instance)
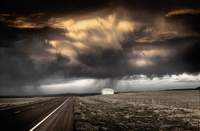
(164, 110)
(6, 103)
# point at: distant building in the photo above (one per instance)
(107, 91)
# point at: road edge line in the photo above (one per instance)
(32, 129)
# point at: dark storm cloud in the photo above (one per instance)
(37, 39)
(18, 68)
(24, 59)
(9, 35)
(115, 63)
(24, 6)
(178, 62)
(50, 6)
(189, 18)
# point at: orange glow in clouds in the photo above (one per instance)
(87, 34)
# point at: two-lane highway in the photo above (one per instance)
(50, 115)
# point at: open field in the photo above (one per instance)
(6, 103)
(139, 111)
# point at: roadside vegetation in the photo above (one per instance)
(142, 111)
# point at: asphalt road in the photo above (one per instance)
(50, 115)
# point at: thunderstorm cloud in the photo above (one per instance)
(46, 42)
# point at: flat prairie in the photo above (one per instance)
(139, 111)
(6, 103)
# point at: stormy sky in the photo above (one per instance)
(61, 46)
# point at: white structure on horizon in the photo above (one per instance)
(107, 91)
